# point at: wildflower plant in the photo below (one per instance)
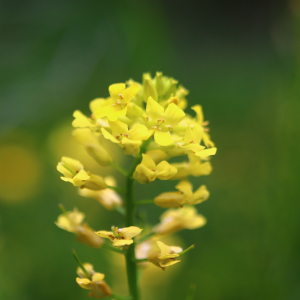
(147, 120)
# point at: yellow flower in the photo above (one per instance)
(88, 140)
(174, 220)
(184, 196)
(148, 171)
(166, 257)
(97, 286)
(116, 106)
(194, 167)
(129, 140)
(121, 236)
(162, 121)
(107, 197)
(73, 172)
(71, 221)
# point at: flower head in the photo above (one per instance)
(166, 257)
(148, 171)
(73, 172)
(120, 236)
(184, 196)
(194, 167)
(129, 140)
(116, 105)
(96, 285)
(174, 220)
(163, 121)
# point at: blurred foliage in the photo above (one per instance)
(241, 62)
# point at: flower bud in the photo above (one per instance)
(149, 88)
(94, 183)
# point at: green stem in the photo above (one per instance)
(141, 260)
(87, 274)
(146, 237)
(141, 202)
(130, 221)
(119, 168)
(186, 250)
(117, 189)
(111, 248)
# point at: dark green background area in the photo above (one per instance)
(238, 59)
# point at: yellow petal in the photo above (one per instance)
(131, 92)
(154, 110)
(168, 263)
(173, 115)
(120, 243)
(165, 170)
(116, 114)
(199, 196)
(143, 174)
(98, 277)
(164, 249)
(185, 187)
(108, 136)
(106, 234)
(140, 132)
(118, 127)
(81, 120)
(169, 199)
(105, 111)
(206, 152)
(148, 162)
(73, 164)
(116, 89)
(80, 178)
(83, 282)
(129, 232)
(88, 267)
(199, 112)
(97, 103)
(163, 138)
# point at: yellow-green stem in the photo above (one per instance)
(131, 267)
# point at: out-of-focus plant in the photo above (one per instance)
(148, 122)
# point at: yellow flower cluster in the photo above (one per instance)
(147, 120)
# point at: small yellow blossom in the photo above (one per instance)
(174, 220)
(184, 196)
(72, 221)
(162, 121)
(107, 197)
(73, 172)
(116, 106)
(97, 286)
(121, 236)
(93, 147)
(129, 140)
(166, 257)
(148, 171)
(194, 167)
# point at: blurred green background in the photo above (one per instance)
(240, 61)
